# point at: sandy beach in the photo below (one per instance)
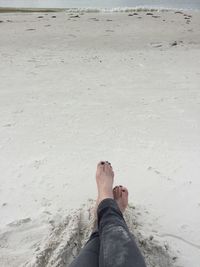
(77, 88)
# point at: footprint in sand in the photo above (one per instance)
(72, 35)
(18, 111)
(38, 163)
(8, 125)
(19, 222)
(94, 19)
(156, 17)
(156, 44)
(158, 173)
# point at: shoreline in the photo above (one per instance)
(28, 10)
(92, 10)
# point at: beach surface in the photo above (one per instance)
(77, 88)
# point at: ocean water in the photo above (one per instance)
(108, 4)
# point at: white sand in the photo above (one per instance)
(76, 91)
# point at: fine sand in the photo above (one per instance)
(76, 88)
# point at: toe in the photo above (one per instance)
(101, 163)
(124, 192)
(100, 168)
(108, 164)
(120, 191)
(115, 192)
(107, 167)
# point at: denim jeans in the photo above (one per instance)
(112, 245)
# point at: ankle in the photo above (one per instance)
(105, 196)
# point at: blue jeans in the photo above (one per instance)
(112, 245)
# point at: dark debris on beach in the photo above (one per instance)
(174, 43)
(178, 12)
(74, 16)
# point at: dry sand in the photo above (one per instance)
(76, 90)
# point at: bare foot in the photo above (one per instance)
(120, 194)
(104, 179)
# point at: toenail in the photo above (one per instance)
(102, 162)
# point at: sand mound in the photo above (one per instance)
(56, 241)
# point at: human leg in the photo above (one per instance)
(89, 254)
(117, 245)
